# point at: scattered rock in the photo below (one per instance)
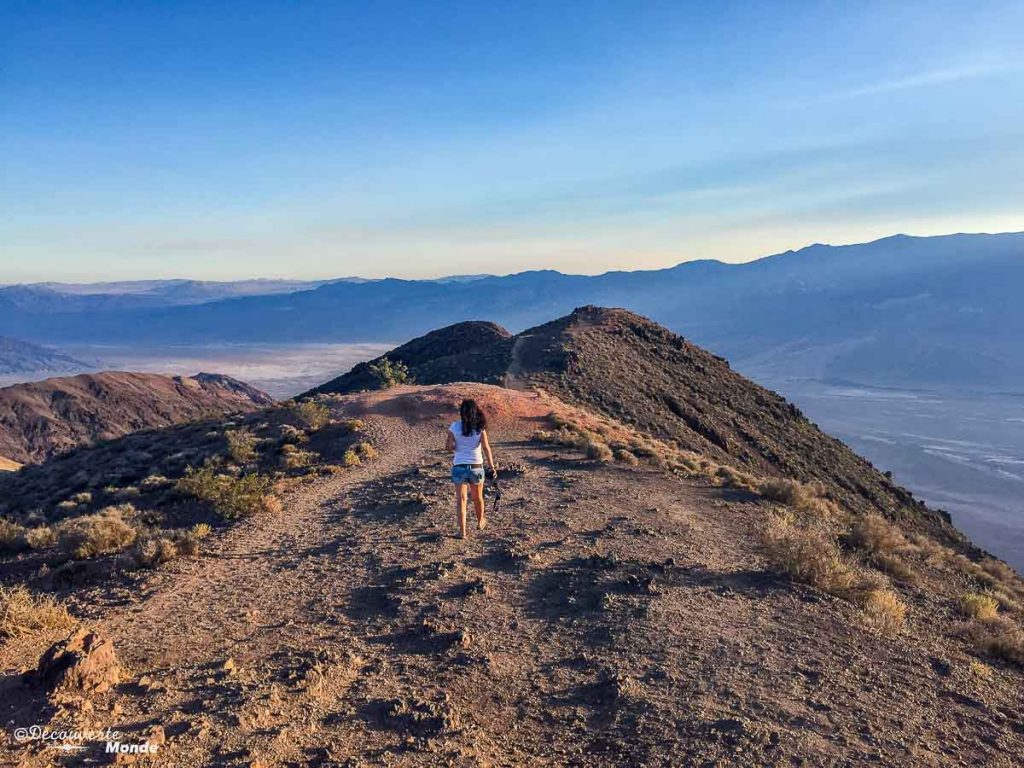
(84, 661)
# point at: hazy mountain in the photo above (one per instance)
(902, 310)
(23, 357)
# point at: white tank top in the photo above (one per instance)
(467, 449)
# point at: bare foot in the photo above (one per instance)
(482, 523)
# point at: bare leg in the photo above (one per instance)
(460, 507)
(478, 505)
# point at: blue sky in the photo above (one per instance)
(302, 139)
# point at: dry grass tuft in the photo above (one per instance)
(350, 459)
(884, 611)
(1001, 638)
(23, 613)
(105, 533)
(978, 606)
(366, 451)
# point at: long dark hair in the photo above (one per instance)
(473, 419)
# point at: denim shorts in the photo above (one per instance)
(463, 474)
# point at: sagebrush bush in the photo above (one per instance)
(104, 533)
(241, 445)
(350, 458)
(353, 425)
(977, 606)
(24, 613)
(390, 373)
(231, 497)
(311, 414)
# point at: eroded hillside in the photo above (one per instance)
(45, 418)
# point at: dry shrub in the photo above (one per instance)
(241, 445)
(352, 425)
(231, 497)
(1008, 601)
(82, 498)
(626, 457)
(12, 537)
(897, 567)
(23, 613)
(980, 669)
(155, 550)
(105, 533)
(728, 477)
(350, 458)
(296, 459)
(1000, 637)
(151, 551)
(291, 435)
(154, 481)
(366, 451)
(977, 606)
(41, 537)
(999, 570)
(884, 611)
(873, 533)
(802, 497)
(598, 451)
(645, 449)
(311, 415)
(807, 553)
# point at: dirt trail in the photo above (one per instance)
(609, 615)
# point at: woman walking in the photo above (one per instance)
(467, 437)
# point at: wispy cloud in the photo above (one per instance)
(930, 78)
